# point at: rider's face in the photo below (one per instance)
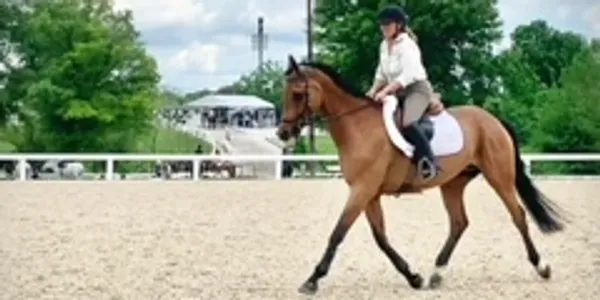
(388, 30)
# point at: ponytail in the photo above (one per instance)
(410, 33)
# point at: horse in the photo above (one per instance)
(376, 161)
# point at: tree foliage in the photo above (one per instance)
(534, 62)
(266, 83)
(546, 50)
(455, 37)
(84, 82)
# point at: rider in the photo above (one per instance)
(401, 74)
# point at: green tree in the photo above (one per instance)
(85, 82)
(535, 60)
(10, 19)
(568, 116)
(266, 83)
(546, 50)
(171, 97)
(518, 93)
(197, 94)
(455, 38)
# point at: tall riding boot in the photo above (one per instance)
(423, 156)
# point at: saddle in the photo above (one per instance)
(435, 108)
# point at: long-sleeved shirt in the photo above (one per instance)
(402, 64)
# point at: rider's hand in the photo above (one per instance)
(436, 105)
(371, 93)
(380, 95)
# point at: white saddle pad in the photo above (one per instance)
(447, 138)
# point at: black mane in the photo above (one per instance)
(336, 78)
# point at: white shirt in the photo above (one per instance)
(402, 64)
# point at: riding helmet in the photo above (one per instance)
(392, 14)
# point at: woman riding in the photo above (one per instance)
(401, 74)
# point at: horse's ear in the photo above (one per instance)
(292, 64)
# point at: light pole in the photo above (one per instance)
(259, 41)
(309, 43)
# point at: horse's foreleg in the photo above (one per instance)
(453, 196)
(375, 217)
(354, 206)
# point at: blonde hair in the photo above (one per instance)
(410, 33)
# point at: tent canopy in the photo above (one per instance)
(231, 101)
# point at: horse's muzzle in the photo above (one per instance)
(284, 133)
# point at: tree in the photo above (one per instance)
(568, 116)
(517, 97)
(534, 62)
(85, 82)
(197, 94)
(171, 97)
(266, 83)
(455, 37)
(546, 50)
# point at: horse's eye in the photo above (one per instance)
(298, 96)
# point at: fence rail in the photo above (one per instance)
(196, 159)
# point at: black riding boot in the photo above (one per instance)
(423, 157)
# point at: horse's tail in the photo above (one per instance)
(543, 210)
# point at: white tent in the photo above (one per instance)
(237, 110)
(231, 101)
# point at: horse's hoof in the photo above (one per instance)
(545, 272)
(435, 281)
(308, 288)
(416, 281)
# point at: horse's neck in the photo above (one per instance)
(350, 121)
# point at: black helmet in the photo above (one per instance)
(392, 14)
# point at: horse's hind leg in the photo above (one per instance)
(501, 177)
(453, 196)
(376, 220)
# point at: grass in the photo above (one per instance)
(165, 140)
(325, 145)
(6, 147)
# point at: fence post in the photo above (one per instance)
(527, 162)
(195, 169)
(22, 168)
(110, 165)
(278, 168)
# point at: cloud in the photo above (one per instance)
(204, 58)
(150, 15)
(592, 16)
(207, 44)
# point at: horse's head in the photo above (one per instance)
(314, 88)
(302, 98)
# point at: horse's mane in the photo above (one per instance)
(336, 77)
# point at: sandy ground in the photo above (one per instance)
(261, 239)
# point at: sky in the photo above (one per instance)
(207, 44)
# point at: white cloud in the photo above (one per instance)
(207, 43)
(197, 57)
(564, 11)
(592, 15)
(154, 14)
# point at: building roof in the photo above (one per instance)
(232, 101)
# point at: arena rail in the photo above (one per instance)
(196, 159)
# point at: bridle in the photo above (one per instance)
(307, 115)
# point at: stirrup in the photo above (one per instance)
(427, 169)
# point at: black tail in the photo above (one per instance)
(543, 210)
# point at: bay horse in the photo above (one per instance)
(372, 166)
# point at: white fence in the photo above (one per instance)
(277, 159)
